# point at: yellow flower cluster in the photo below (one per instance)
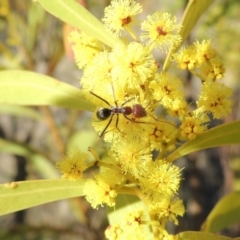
(73, 165)
(130, 93)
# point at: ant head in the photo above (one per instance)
(103, 113)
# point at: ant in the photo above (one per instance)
(102, 114)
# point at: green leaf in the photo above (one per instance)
(124, 205)
(21, 195)
(193, 12)
(86, 138)
(225, 213)
(35, 17)
(40, 162)
(190, 235)
(195, 9)
(225, 134)
(73, 13)
(28, 88)
(235, 169)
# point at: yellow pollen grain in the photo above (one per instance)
(11, 185)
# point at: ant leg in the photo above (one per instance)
(127, 101)
(131, 120)
(104, 130)
(115, 101)
(110, 120)
(94, 94)
(128, 118)
(163, 121)
(116, 124)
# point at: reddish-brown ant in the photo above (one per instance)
(102, 114)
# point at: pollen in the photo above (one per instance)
(120, 15)
(166, 89)
(73, 165)
(99, 191)
(132, 66)
(11, 185)
(215, 98)
(161, 31)
(84, 47)
(162, 179)
(131, 153)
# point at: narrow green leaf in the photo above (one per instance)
(71, 12)
(225, 213)
(35, 17)
(124, 205)
(21, 195)
(195, 9)
(86, 138)
(28, 88)
(191, 235)
(20, 111)
(193, 12)
(39, 162)
(225, 134)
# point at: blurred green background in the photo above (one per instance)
(33, 139)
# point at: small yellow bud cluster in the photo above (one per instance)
(202, 60)
(192, 126)
(113, 232)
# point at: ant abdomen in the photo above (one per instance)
(138, 111)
